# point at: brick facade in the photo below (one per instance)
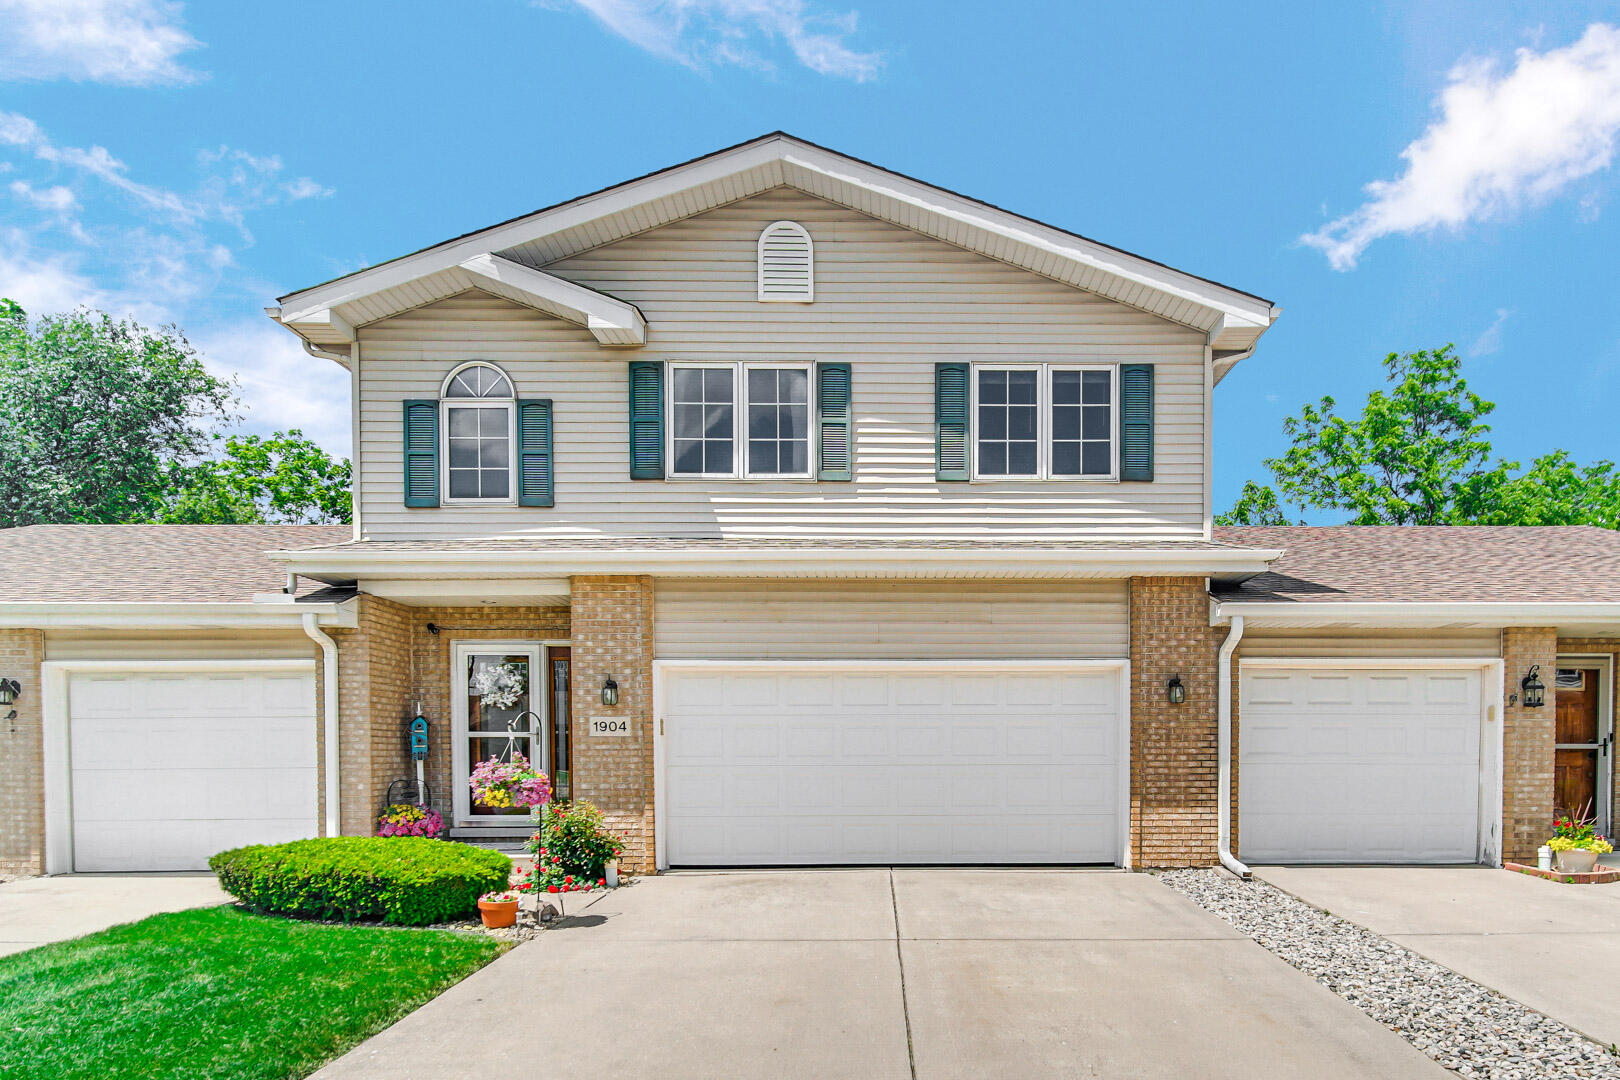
(374, 684)
(22, 758)
(612, 632)
(1173, 747)
(1528, 737)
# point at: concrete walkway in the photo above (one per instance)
(1555, 948)
(890, 976)
(36, 911)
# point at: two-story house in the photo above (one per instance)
(798, 512)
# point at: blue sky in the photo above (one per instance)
(188, 163)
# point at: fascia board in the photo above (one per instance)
(93, 614)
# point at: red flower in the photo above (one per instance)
(551, 888)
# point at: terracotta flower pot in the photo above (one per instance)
(497, 915)
(1577, 861)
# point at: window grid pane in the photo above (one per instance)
(778, 421)
(1009, 422)
(1082, 423)
(479, 450)
(704, 410)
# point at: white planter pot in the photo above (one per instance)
(1577, 861)
(610, 873)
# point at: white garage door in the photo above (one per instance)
(168, 769)
(1370, 765)
(782, 764)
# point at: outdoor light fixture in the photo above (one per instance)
(610, 691)
(9, 689)
(1535, 694)
(1175, 691)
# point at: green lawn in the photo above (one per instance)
(217, 994)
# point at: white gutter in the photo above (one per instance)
(134, 616)
(329, 714)
(1402, 613)
(1223, 741)
(1009, 561)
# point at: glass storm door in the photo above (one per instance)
(1581, 757)
(498, 714)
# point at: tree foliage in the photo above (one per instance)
(1419, 453)
(107, 421)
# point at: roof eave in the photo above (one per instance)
(1566, 616)
(134, 615)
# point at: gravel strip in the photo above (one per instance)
(1468, 1028)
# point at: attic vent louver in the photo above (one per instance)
(786, 264)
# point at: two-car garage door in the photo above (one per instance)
(168, 768)
(817, 763)
(1360, 763)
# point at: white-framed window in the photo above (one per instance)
(1045, 421)
(477, 413)
(740, 420)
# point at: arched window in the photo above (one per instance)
(787, 263)
(477, 409)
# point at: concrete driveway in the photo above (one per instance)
(890, 974)
(1555, 948)
(36, 911)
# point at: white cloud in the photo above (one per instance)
(1504, 139)
(43, 283)
(56, 199)
(1491, 340)
(126, 42)
(281, 385)
(705, 33)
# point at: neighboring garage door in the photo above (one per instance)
(170, 768)
(781, 763)
(1359, 764)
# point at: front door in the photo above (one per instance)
(1581, 754)
(498, 709)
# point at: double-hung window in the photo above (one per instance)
(477, 406)
(1044, 421)
(748, 420)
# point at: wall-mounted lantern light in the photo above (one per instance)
(1175, 691)
(9, 689)
(1535, 694)
(610, 692)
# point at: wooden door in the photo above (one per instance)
(1576, 758)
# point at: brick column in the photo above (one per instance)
(1528, 738)
(22, 757)
(1173, 747)
(611, 627)
(374, 686)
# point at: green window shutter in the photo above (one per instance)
(646, 420)
(534, 479)
(422, 452)
(952, 403)
(835, 423)
(1136, 422)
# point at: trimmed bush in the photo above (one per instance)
(411, 881)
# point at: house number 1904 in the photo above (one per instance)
(610, 725)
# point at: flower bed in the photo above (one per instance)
(403, 819)
(572, 848)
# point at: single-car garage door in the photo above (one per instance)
(826, 763)
(1359, 764)
(170, 768)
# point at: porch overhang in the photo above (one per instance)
(361, 562)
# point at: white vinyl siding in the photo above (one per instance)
(178, 645)
(844, 620)
(889, 301)
(1336, 642)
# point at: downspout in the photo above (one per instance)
(329, 714)
(1223, 738)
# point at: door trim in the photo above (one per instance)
(1603, 664)
(54, 720)
(662, 668)
(460, 649)
(1491, 745)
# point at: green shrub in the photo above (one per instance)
(411, 881)
(573, 842)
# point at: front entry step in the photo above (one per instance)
(507, 841)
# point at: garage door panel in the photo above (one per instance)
(904, 765)
(1360, 765)
(170, 768)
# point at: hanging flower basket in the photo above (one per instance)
(508, 785)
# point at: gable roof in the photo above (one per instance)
(327, 314)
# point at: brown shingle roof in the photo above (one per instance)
(1437, 564)
(149, 563)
